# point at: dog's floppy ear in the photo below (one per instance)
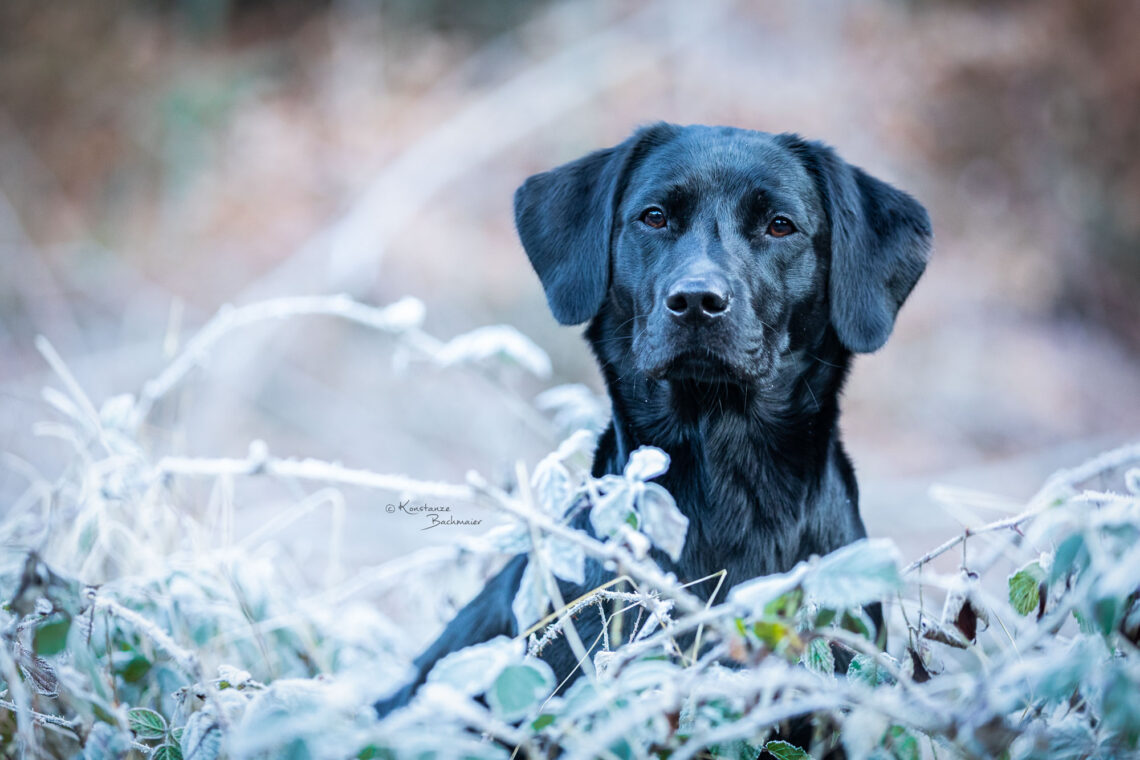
(565, 219)
(880, 243)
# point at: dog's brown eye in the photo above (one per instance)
(654, 217)
(781, 227)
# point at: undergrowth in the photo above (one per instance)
(130, 630)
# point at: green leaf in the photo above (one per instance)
(1025, 588)
(857, 574)
(737, 750)
(202, 738)
(864, 668)
(903, 745)
(146, 723)
(135, 669)
(855, 624)
(785, 605)
(542, 721)
(167, 752)
(520, 689)
(825, 617)
(774, 634)
(51, 638)
(1071, 556)
(1106, 612)
(818, 657)
(781, 750)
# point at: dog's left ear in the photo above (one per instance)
(565, 221)
(880, 243)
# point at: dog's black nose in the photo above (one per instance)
(698, 298)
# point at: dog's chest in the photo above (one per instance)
(744, 519)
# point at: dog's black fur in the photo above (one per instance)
(727, 276)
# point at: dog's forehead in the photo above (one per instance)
(718, 159)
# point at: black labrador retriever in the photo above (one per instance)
(727, 277)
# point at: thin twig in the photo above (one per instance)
(39, 717)
(1060, 484)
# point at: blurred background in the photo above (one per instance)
(160, 159)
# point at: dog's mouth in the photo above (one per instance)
(701, 367)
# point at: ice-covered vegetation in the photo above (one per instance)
(131, 629)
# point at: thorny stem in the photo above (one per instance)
(1058, 486)
(38, 717)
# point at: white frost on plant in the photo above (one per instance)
(646, 463)
(856, 574)
(613, 507)
(558, 477)
(752, 596)
(495, 341)
(404, 314)
(661, 520)
(472, 670)
(530, 602)
(574, 406)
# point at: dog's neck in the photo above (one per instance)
(758, 458)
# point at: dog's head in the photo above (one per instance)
(721, 253)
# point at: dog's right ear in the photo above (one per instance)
(880, 243)
(565, 220)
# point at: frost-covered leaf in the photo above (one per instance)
(146, 723)
(645, 463)
(577, 448)
(574, 407)
(495, 341)
(167, 752)
(567, 559)
(530, 602)
(661, 520)
(1024, 588)
(857, 574)
(648, 674)
(230, 677)
(901, 743)
(39, 672)
(819, 658)
(555, 481)
(105, 742)
(753, 596)
(507, 539)
(520, 689)
(637, 543)
(472, 670)
(612, 510)
(553, 485)
(865, 669)
(782, 750)
(1072, 556)
(202, 736)
(961, 611)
